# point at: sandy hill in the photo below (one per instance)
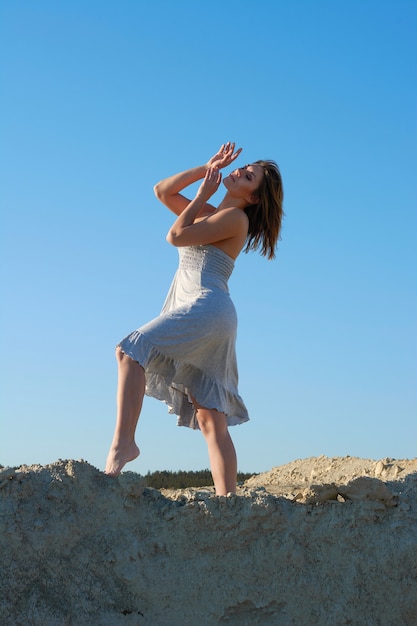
(320, 541)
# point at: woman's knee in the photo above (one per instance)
(119, 354)
(125, 360)
(211, 421)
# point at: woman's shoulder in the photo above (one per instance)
(231, 214)
(236, 214)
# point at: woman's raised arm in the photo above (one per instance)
(168, 189)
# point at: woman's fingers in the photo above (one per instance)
(210, 183)
(231, 152)
(229, 147)
(225, 155)
(236, 154)
(213, 175)
(228, 153)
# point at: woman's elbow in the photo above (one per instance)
(175, 238)
(171, 238)
(157, 190)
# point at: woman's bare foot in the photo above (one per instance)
(118, 457)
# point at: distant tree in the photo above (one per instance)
(166, 479)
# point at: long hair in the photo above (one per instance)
(265, 216)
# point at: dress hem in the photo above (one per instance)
(173, 382)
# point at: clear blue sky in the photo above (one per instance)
(99, 100)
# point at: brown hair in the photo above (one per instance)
(265, 216)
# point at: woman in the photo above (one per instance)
(186, 356)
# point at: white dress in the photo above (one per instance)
(190, 348)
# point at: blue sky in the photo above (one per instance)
(99, 100)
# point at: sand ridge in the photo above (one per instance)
(316, 541)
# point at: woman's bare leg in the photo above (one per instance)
(221, 450)
(130, 392)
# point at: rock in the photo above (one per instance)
(317, 494)
(365, 488)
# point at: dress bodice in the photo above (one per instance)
(207, 260)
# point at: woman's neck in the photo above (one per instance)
(229, 202)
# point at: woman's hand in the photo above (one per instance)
(210, 184)
(224, 156)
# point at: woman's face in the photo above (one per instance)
(244, 181)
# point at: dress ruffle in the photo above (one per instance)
(174, 382)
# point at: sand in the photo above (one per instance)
(320, 541)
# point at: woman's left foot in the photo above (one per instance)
(118, 457)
